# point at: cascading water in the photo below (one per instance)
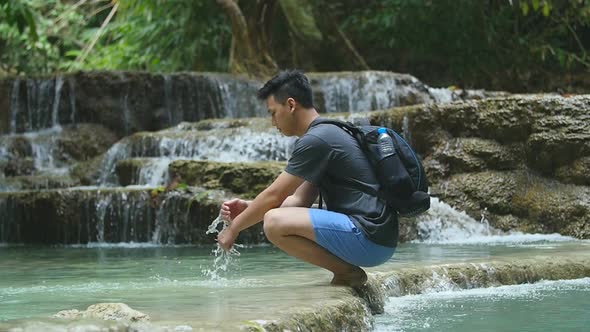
(72, 99)
(373, 90)
(234, 145)
(155, 173)
(59, 82)
(444, 225)
(14, 104)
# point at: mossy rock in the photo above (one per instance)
(245, 179)
(38, 182)
(521, 201)
(88, 172)
(85, 141)
(576, 173)
(128, 170)
(475, 155)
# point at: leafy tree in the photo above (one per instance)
(35, 35)
(163, 36)
(472, 43)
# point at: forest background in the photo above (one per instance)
(512, 45)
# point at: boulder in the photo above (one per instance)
(106, 311)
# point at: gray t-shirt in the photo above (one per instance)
(330, 158)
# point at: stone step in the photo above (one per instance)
(37, 182)
(51, 149)
(354, 311)
(83, 215)
(245, 179)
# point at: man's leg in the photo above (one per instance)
(291, 230)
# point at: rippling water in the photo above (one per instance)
(171, 284)
(562, 305)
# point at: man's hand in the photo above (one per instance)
(232, 208)
(226, 238)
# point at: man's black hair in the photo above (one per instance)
(288, 84)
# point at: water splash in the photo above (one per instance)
(223, 261)
(444, 225)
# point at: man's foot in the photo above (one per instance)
(354, 278)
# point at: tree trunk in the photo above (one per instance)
(250, 48)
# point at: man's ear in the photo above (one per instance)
(291, 103)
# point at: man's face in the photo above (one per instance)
(281, 115)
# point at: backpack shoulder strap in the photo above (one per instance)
(349, 127)
(342, 124)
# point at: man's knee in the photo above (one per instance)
(271, 224)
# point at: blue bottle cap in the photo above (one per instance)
(382, 130)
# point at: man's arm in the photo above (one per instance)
(304, 196)
(270, 198)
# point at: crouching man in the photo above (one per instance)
(357, 229)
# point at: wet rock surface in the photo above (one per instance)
(106, 311)
(128, 102)
(521, 160)
(245, 179)
(354, 312)
(79, 216)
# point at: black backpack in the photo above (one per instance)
(404, 184)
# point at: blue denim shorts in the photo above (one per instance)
(340, 236)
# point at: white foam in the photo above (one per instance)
(400, 312)
(444, 225)
(126, 245)
(506, 291)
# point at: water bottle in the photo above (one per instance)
(385, 143)
(390, 168)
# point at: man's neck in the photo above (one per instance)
(306, 117)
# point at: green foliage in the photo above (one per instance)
(35, 34)
(164, 36)
(486, 44)
(472, 42)
(19, 14)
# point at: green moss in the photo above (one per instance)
(245, 179)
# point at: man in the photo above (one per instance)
(355, 230)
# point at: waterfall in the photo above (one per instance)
(118, 151)
(229, 145)
(101, 212)
(43, 146)
(368, 91)
(30, 99)
(154, 173)
(444, 225)
(126, 112)
(442, 95)
(406, 129)
(14, 104)
(120, 216)
(168, 98)
(72, 95)
(59, 82)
